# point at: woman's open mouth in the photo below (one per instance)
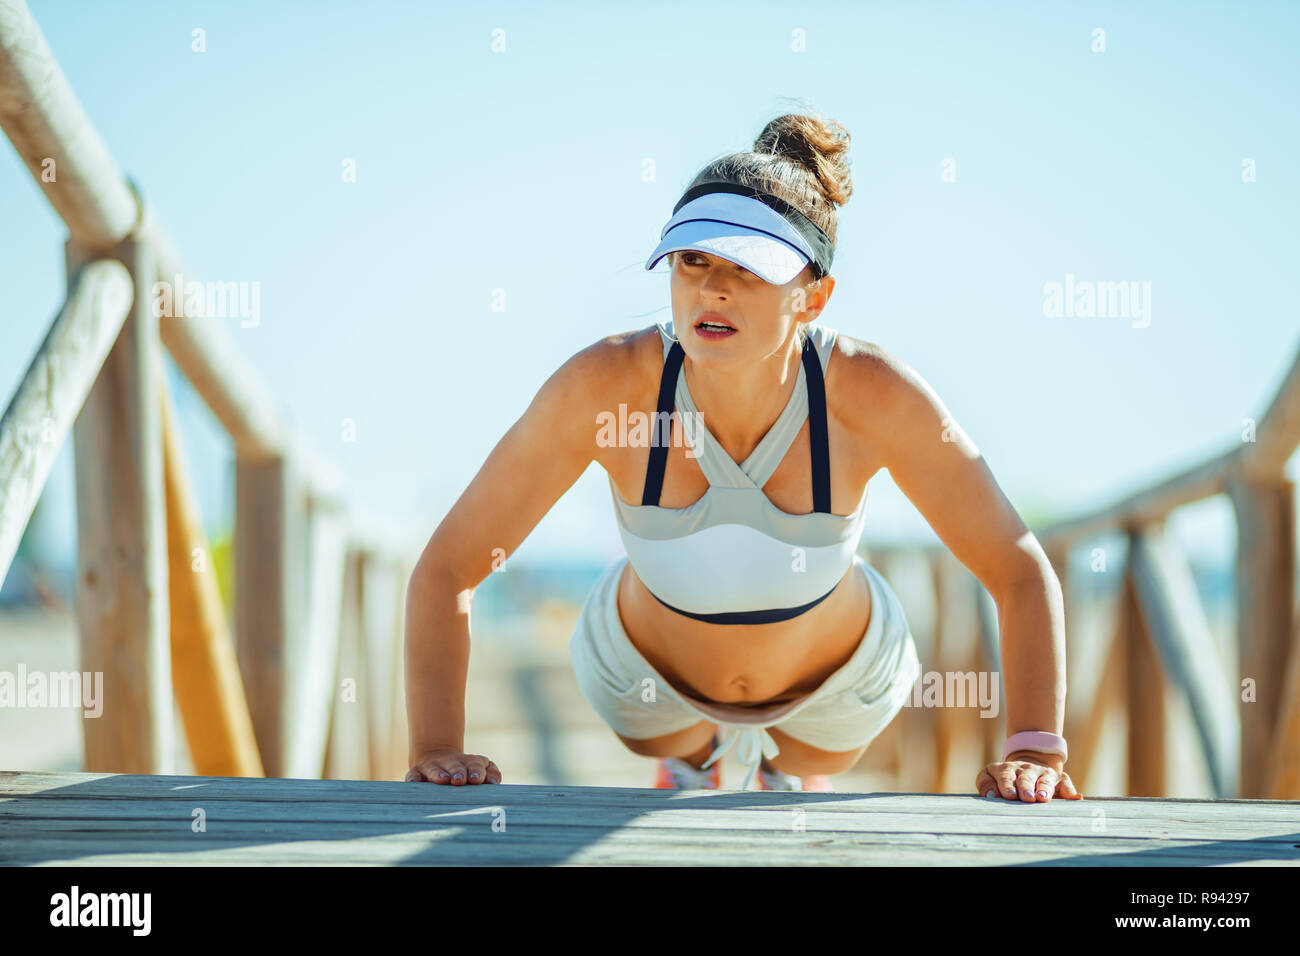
(709, 329)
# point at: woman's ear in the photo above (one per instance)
(819, 293)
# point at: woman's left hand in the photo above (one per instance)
(1028, 776)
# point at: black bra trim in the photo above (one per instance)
(654, 473)
(818, 439)
(748, 617)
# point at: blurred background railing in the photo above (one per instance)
(318, 590)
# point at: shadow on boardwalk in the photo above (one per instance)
(90, 819)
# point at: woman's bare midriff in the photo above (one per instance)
(746, 663)
(740, 663)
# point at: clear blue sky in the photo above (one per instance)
(522, 171)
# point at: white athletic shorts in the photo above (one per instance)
(849, 710)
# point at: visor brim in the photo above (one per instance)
(770, 259)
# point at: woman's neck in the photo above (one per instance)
(741, 402)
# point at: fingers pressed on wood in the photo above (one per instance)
(1067, 788)
(1027, 784)
(474, 769)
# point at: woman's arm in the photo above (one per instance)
(937, 466)
(531, 467)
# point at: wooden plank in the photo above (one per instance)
(121, 602)
(53, 389)
(432, 852)
(1144, 683)
(94, 819)
(205, 671)
(1265, 578)
(1172, 615)
(58, 786)
(480, 846)
(533, 829)
(239, 817)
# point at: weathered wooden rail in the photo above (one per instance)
(1247, 710)
(319, 590)
(110, 819)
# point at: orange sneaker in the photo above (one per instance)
(673, 773)
(770, 778)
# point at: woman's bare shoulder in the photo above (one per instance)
(880, 396)
(863, 380)
(616, 366)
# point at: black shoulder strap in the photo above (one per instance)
(661, 434)
(817, 435)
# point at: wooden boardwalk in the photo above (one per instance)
(122, 819)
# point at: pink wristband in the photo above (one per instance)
(1039, 740)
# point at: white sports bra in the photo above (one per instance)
(733, 557)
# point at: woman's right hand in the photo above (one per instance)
(447, 765)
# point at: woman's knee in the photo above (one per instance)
(677, 744)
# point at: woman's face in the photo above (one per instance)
(763, 314)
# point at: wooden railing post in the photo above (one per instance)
(122, 603)
(399, 735)
(270, 559)
(1266, 574)
(384, 592)
(916, 736)
(205, 671)
(1190, 660)
(315, 648)
(1285, 762)
(1145, 685)
(1085, 736)
(53, 390)
(348, 754)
